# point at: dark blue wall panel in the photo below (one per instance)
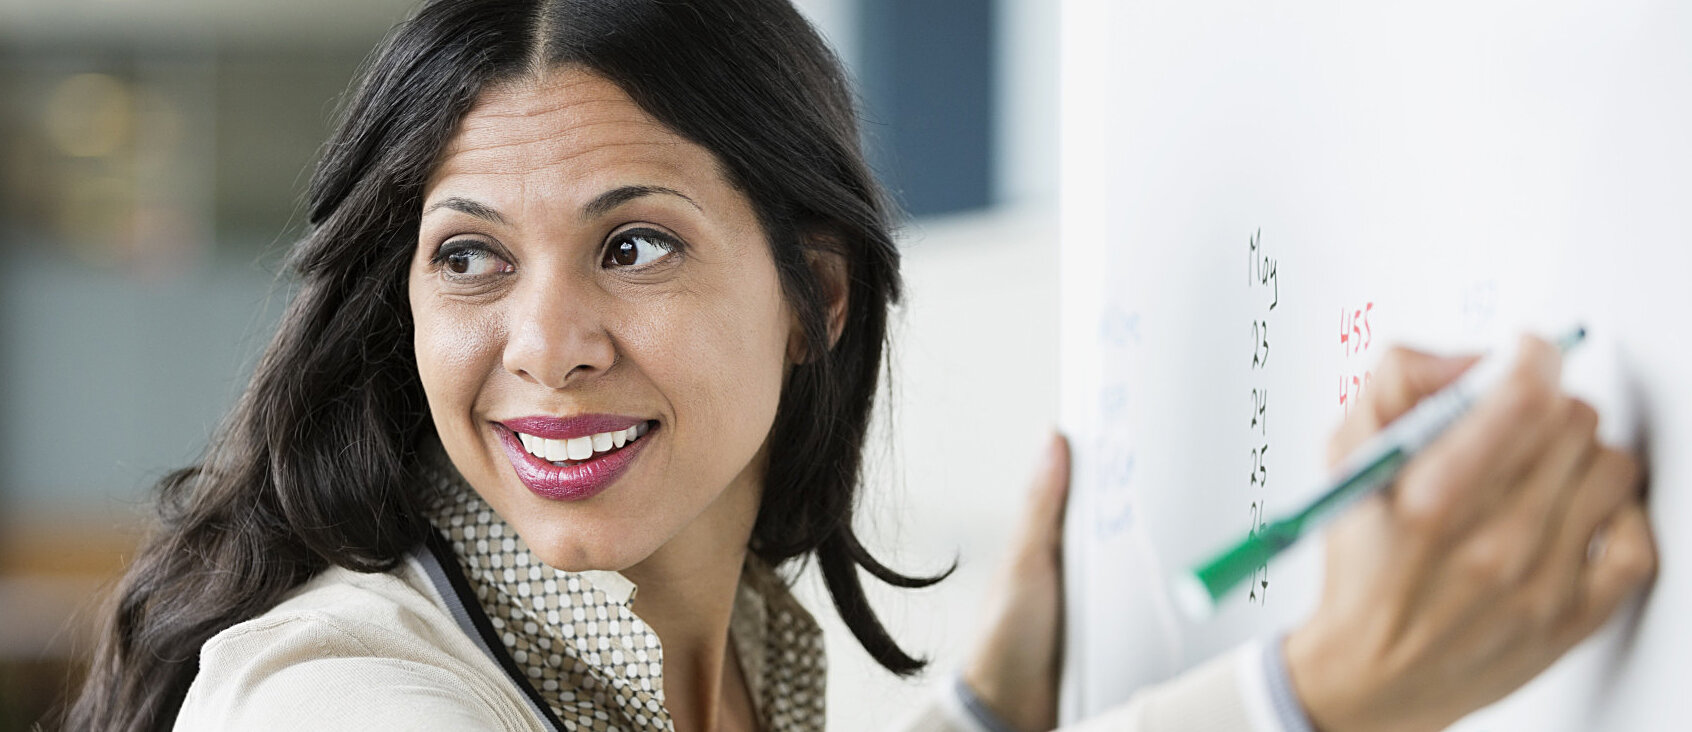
(927, 80)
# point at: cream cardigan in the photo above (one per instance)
(473, 632)
(355, 651)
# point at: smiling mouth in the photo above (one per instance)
(578, 450)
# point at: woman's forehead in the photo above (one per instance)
(567, 125)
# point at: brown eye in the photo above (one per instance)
(637, 248)
(469, 260)
(626, 254)
(459, 262)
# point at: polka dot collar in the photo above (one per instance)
(591, 659)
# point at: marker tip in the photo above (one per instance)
(1191, 596)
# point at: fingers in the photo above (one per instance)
(1467, 471)
(1540, 506)
(1519, 552)
(1403, 378)
(1574, 585)
(1624, 560)
(1557, 477)
(1478, 567)
(1599, 547)
(1610, 481)
(1406, 377)
(1481, 503)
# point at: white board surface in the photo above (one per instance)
(1436, 174)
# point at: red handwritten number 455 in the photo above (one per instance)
(1356, 336)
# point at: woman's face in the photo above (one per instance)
(600, 329)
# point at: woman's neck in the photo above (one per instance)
(687, 594)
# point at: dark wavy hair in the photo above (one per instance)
(315, 465)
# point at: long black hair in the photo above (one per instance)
(315, 465)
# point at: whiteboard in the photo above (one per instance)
(1258, 198)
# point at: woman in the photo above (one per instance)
(590, 322)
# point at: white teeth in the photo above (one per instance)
(580, 448)
(555, 450)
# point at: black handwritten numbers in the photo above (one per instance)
(1259, 577)
(1260, 425)
(1262, 271)
(1260, 466)
(1259, 343)
(1264, 281)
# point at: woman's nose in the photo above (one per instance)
(557, 336)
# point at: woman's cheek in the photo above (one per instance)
(720, 376)
(457, 351)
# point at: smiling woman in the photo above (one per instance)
(623, 310)
(592, 305)
(585, 271)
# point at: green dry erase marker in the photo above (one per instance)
(1368, 469)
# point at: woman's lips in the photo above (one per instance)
(566, 427)
(580, 481)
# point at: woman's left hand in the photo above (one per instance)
(1014, 669)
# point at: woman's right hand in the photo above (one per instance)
(1504, 543)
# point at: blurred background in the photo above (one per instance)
(153, 156)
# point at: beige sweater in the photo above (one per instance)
(473, 631)
(353, 651)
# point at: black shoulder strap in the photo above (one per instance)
(442, 566)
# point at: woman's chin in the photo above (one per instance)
(568, 555)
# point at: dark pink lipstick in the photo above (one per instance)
(576, 480)
(564, 428)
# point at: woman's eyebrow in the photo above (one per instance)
(605, 202)
(474, 208)
(601, 204)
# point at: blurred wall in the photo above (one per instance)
(975, 369)
(975, 397)
(151, 157)
(151, 180)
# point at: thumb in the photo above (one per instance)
(1042, 523)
